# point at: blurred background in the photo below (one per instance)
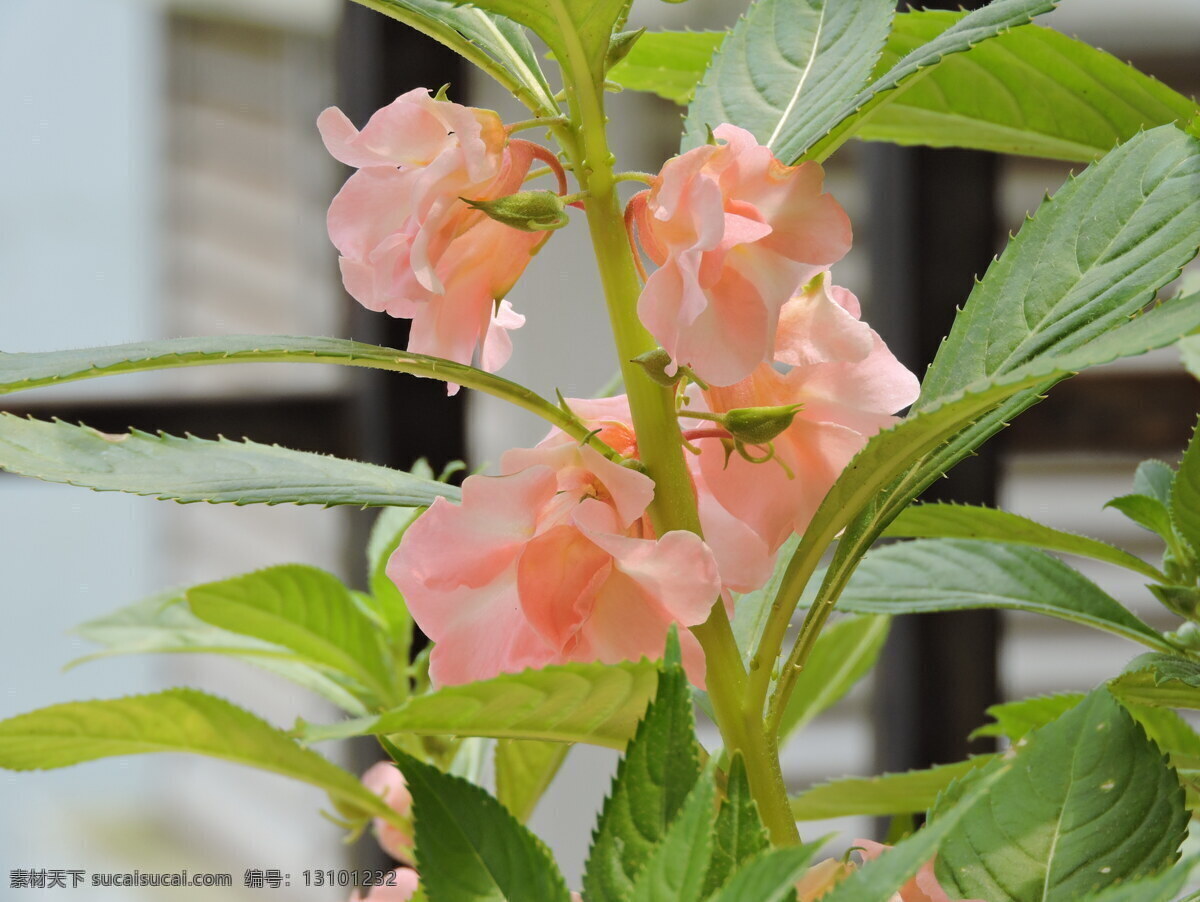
(161, 176)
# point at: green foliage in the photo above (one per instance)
(387, 601)
(1185, 496)
(469, 848)
(739, 835)
(524, 769)
(771, 877)
(1161, 680)
(192, 469)
(912, 792)
(960, 521)
(750, 612)
(1090, 798)
(309, 611)
(1189, 350)
(659, 770)
(845, 652)
(177, 720)
(677, 867)
(1163, 887)
(785, 65)
(667, 63)
(1015, 719)
(929, 575)
(497, 45)
(163, 623)
(593, 703)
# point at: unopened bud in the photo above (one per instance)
(529, 211)
(759, 425)
(1183, 600)
(620, 46)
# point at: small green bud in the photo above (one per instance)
(620, 45)
(1183, 600)
(1187, 636)
(529, 211)
(759, 425)
(655, 364)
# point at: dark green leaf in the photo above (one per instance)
(739, 834)
(677, 867)
(1163, 887)
(771, 877)
(1185, 496)
(1015, 719)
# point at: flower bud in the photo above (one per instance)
(529, 211)
(759, 425)
(655, 364)
(620, 46)
(385, 780)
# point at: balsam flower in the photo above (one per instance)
(385, 780)
(410, 245)
(848, 384)
(551, 562)
(734, 232)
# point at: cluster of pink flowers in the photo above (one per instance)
(555, 559)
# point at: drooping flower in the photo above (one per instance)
(849, 385)
(551, 562)
(410, 244)
(384, 779)
(405, 885)
(734, 232)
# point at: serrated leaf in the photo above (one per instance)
(844, 653)
(177, 720)
(771, 877)
(163, 624)
(1090, 801)
(496, 44)
(927, 575)
(739, 834)
(961, 521)
(1148, 513)
(304, 609)
(911, 792)
(660, 767)
(784, 66)
(1015, 719)
(594, 703)
(1163, 887)
(469, 848)
(524, 769)
(877, 880)
(1153, 478)
(1162, 680)
(192, 469)
(667, 63)
(677, 867)
(1185, 495)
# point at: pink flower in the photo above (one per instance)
(554, 561)
(409, 244)
(922, 888)
(821, 878)
(849, 384)
(734, 232)
(405, 886)
(384, 779)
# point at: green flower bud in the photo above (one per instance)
(759, 425)
(529, 211)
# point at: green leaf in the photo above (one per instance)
(739, 834)
(1185, 495)
(1162, 680)
(877, 880)
(750, 611)
(912, 792)
(163, 623)
(594, 703)
(929, 575)
(1154, 479)
(667, 63)
(660, 767)
(784, 66)
(304, 609)
(1163, 887)
(1189, 350)
(677, 867)
(495, 44)
(1015, 719)
(844, 653)
(524, 769)
(1091, 801)
(389, 528)
(1147, 512)
(469, 848)
(771, 877)
(177, 720)
(1075, 102)
(959, 521)
(192, 469)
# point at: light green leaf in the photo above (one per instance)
(912, 792)
(1091, 801)
(192, 469)
(387, 601)
(845, 652)
(164, 624)
(739, 834)
(524, 769)
(667, 63)
(877, 880)
(177, 720)
(1015, 719)
(469, 848)
(785, 65)
(1162, 680)
(1185, 496)
(1075, 102)
(1153, 478)
(1189, 350)
(1147, 512)
(969, 522)
(653, 780)
(771, 877)
(594, 703)
(928, 575)
(496, 45)
(750, 611)
(304, 609)
(677, 867)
